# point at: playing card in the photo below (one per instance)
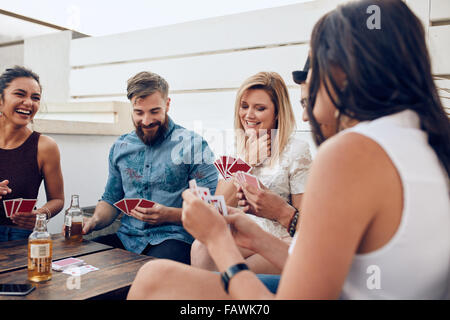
(193, 187)
(223, 160)
(16, 206)
(230, 161)
(251, 179)
(146, 203)
(79, 271)
(8, 204)
(192, 184)
(66, 263)
(26, 205)
(219, 203)
(239, 165)
(239, 177)
(203, 193)
(219, 166)
(122, 206)
(132, 203)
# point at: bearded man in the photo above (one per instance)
(152, 163)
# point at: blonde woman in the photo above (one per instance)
(265, 138)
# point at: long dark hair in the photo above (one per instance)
(388, 70)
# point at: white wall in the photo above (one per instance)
(11, 56)
(48, 56)
(84, 161)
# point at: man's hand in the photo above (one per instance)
(88, 225)
(155, 215)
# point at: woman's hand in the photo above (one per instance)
(25, 220)
(257, 149)
(263, 202)
(201, 220)
(244, 230)
(4, 189)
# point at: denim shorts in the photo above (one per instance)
(9, 233)
(270, 281)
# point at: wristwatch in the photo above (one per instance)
(293, 224)
(230, 273)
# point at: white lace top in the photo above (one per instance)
(286, 177)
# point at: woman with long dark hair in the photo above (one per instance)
(375, 213)
(26, 156)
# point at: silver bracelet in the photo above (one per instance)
(48, 213)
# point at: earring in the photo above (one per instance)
(337, 114)
(344, 84)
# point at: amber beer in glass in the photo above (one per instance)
(40, 251)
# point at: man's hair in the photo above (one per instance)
(146, 83)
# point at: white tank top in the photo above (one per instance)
(415, 263)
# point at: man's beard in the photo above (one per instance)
(150, 137)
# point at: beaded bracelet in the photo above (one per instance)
(293, 224)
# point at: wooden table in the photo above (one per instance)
(117, 270)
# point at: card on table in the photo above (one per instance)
(79, 271)
(66, 263)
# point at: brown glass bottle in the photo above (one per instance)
(73, 221)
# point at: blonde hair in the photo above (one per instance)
(274, 86)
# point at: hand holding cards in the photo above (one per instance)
(126, 205)
(204, 194)
(14, 206)
(227, 166)
(243, 177)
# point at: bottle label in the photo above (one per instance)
(68, 221)
(40, 251)
(77, 218)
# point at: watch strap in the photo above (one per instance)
(230, 273)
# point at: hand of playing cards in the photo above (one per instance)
(126, 205)
(227, 166)
(204, 194)
(14, 206)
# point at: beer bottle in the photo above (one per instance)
(40, 251)
(73, 221)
